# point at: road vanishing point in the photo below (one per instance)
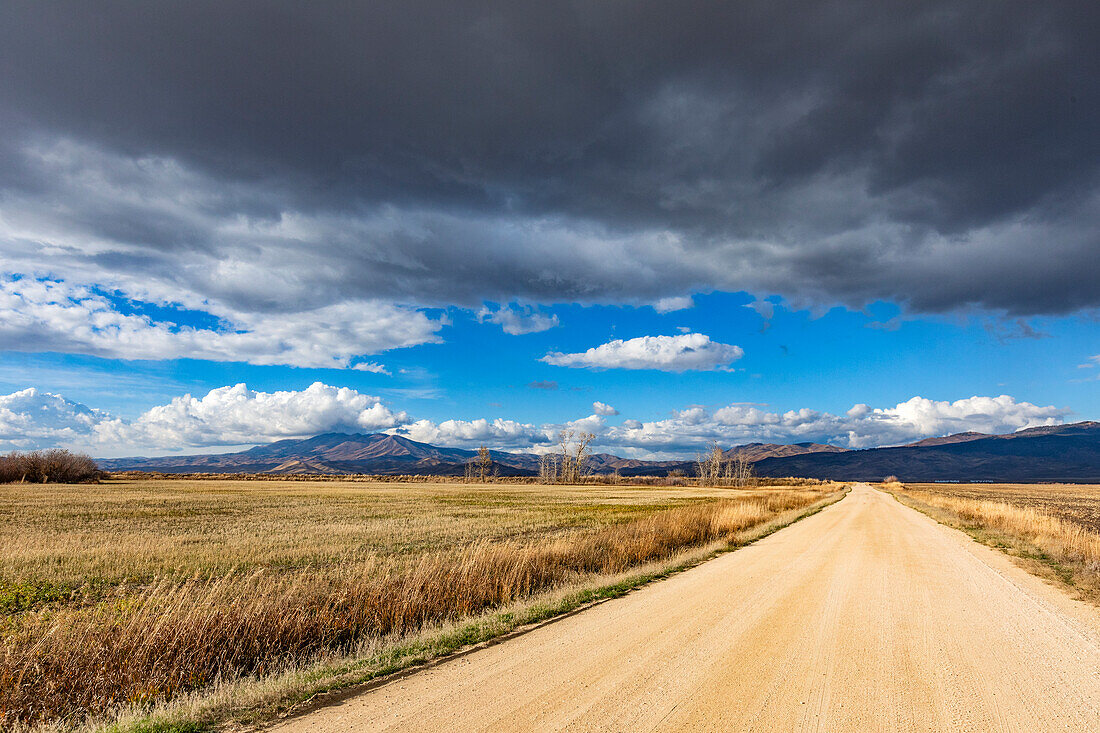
(867, 616)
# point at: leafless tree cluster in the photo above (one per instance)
(55, 465)
(715, 468)
(741, 471)
(480, 467)
(570, 464)
(548, 468)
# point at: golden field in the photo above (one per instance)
(1076, 503)
(121, 596)
(1053, 529)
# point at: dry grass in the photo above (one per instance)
(134, 531)
(188, 586)
(1052, 528)
(1076, 503)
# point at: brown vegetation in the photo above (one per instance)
(55, 465)
(1056, 527)
(144, 643)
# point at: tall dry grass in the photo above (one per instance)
(1057, 538)
(178, 636)
(83, 540)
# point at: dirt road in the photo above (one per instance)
(867, 616)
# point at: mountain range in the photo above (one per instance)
(1068, 453)
(380, 453)
(1049, 453)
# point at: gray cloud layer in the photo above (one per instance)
(281, 156)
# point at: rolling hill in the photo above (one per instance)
(1053, 453)
(1049, 453)
(378, 453)
(331, 453)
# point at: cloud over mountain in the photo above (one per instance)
(231, 415)
(237, 415)
(860, 427)
(31, 418)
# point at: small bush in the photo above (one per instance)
(55, 465)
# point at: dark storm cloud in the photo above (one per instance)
(940, 154)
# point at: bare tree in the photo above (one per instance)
(484, 462)
(548, 468)
(570, 464)
(717, 468)
(581, 454)
(740, 470)
(565, 457)
(56, 464)
(574, 455)
(712, 466)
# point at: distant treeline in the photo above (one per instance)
(595, 479)
(55, 465)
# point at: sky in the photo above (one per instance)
(863, 223)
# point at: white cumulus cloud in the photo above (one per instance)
(237, 415)
(52, 315)
(497, 433)
(687, 352)
(860, 427)
(225, 416)
(31, 419)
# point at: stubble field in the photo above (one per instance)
(130, 596)
(1076, 503)
(1052, 529)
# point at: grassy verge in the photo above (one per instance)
(252, 701)
(1050, 547)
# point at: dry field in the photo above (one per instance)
(120, 596)
(1052, 529)
(867, 616)
(1077, 503)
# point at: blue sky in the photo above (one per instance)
(826, 361)
(216, 230)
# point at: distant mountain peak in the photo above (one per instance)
(949, 439)
(1072, 428)
(759, 451)
(1050, 452)
(299, 466)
